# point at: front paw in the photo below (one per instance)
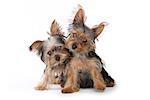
(40, 87)
(69, 90)
(100, 86)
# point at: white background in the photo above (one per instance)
(124, 45)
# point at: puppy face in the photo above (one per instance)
(79, 43)
(54, 51)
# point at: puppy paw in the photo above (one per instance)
(100, 86)
(40, 87)
(69, 90)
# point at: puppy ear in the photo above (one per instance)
(36, 46)
(79, 17)
(98, 29)
(55, 29)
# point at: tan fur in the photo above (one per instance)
(79, 17)
(98, 29)
(55, 29)
(36, 45)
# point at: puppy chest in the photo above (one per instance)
(81, 63)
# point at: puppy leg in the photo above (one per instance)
(97, 79)
(43, 84)
(71, 82)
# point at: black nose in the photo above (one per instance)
(57, 58)
(74, 46)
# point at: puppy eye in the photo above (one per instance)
(49, 53)
(74, 46)
(53, 50)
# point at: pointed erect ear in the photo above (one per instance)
(36, 46)
(79, 17)
(98, 29)
(55, 29)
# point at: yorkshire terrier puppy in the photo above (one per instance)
(81, 65)
(83, 70)
(78, 26)
(54, 54)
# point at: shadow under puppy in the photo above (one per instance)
(78, 26)
(81, 67)
(54, 54)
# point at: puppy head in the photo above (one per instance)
(51, 50)
(78, 24)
